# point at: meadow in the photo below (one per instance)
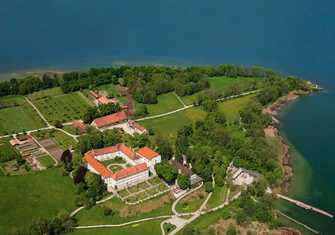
(192, 202)
(223, 84)
(16, 115)
(33, 196)
(218, 197)
(166, 102)
(169, 125)
(46, 161)
(125, 213)
(150, 227)
(56, 106)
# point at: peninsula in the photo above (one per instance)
(146, 150)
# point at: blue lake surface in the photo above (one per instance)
(293, 37)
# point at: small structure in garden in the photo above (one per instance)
(242, 176)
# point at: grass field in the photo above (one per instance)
(17, 116)
(46, 93)
(124, 213)
(231, 108)
(145, 228)
(203, 222)
(46, 161)
(169, 125)
(37, 195)
(218, 197)
(61, 107)
(192, 202)
(166, 102)
(221, 84)
(61, 139)
(7, 152)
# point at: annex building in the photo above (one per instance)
(138, 165)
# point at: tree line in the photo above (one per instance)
(145, 82)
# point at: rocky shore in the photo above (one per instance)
(273, 131)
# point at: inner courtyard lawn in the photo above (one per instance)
(37, 195)
(64, 107)
(16, 115)
(145, 228)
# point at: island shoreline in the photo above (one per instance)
(273, 131)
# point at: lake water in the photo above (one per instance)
(293, 37)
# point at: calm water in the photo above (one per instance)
(294, 37)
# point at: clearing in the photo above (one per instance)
(169, 125)
(224, 84)
(192, 202)
(16, 115)
(166, 103)
(36, 195)
(125, 213)
(150, 227)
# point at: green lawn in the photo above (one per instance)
(61, 139)
(145, 228)
(46, 93)
(204, 221)
(124, 213)
(218, 197)
(221, 84)
(64, 107)
(17, 116)
(231, 108)
(113, 161)
(192, 202)
(7, 152)
(166, 102)
(169, 125)
(37, 195)
(46, 161)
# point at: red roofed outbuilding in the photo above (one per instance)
(110, 120)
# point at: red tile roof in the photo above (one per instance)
(101, 169)
(106, 100)
(104, 171)
(112, 149)
(78, 124)
(110, 119)
(14, 142)
(147, 153)
(133, 170)
(94, 94)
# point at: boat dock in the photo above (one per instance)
(304, 205)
